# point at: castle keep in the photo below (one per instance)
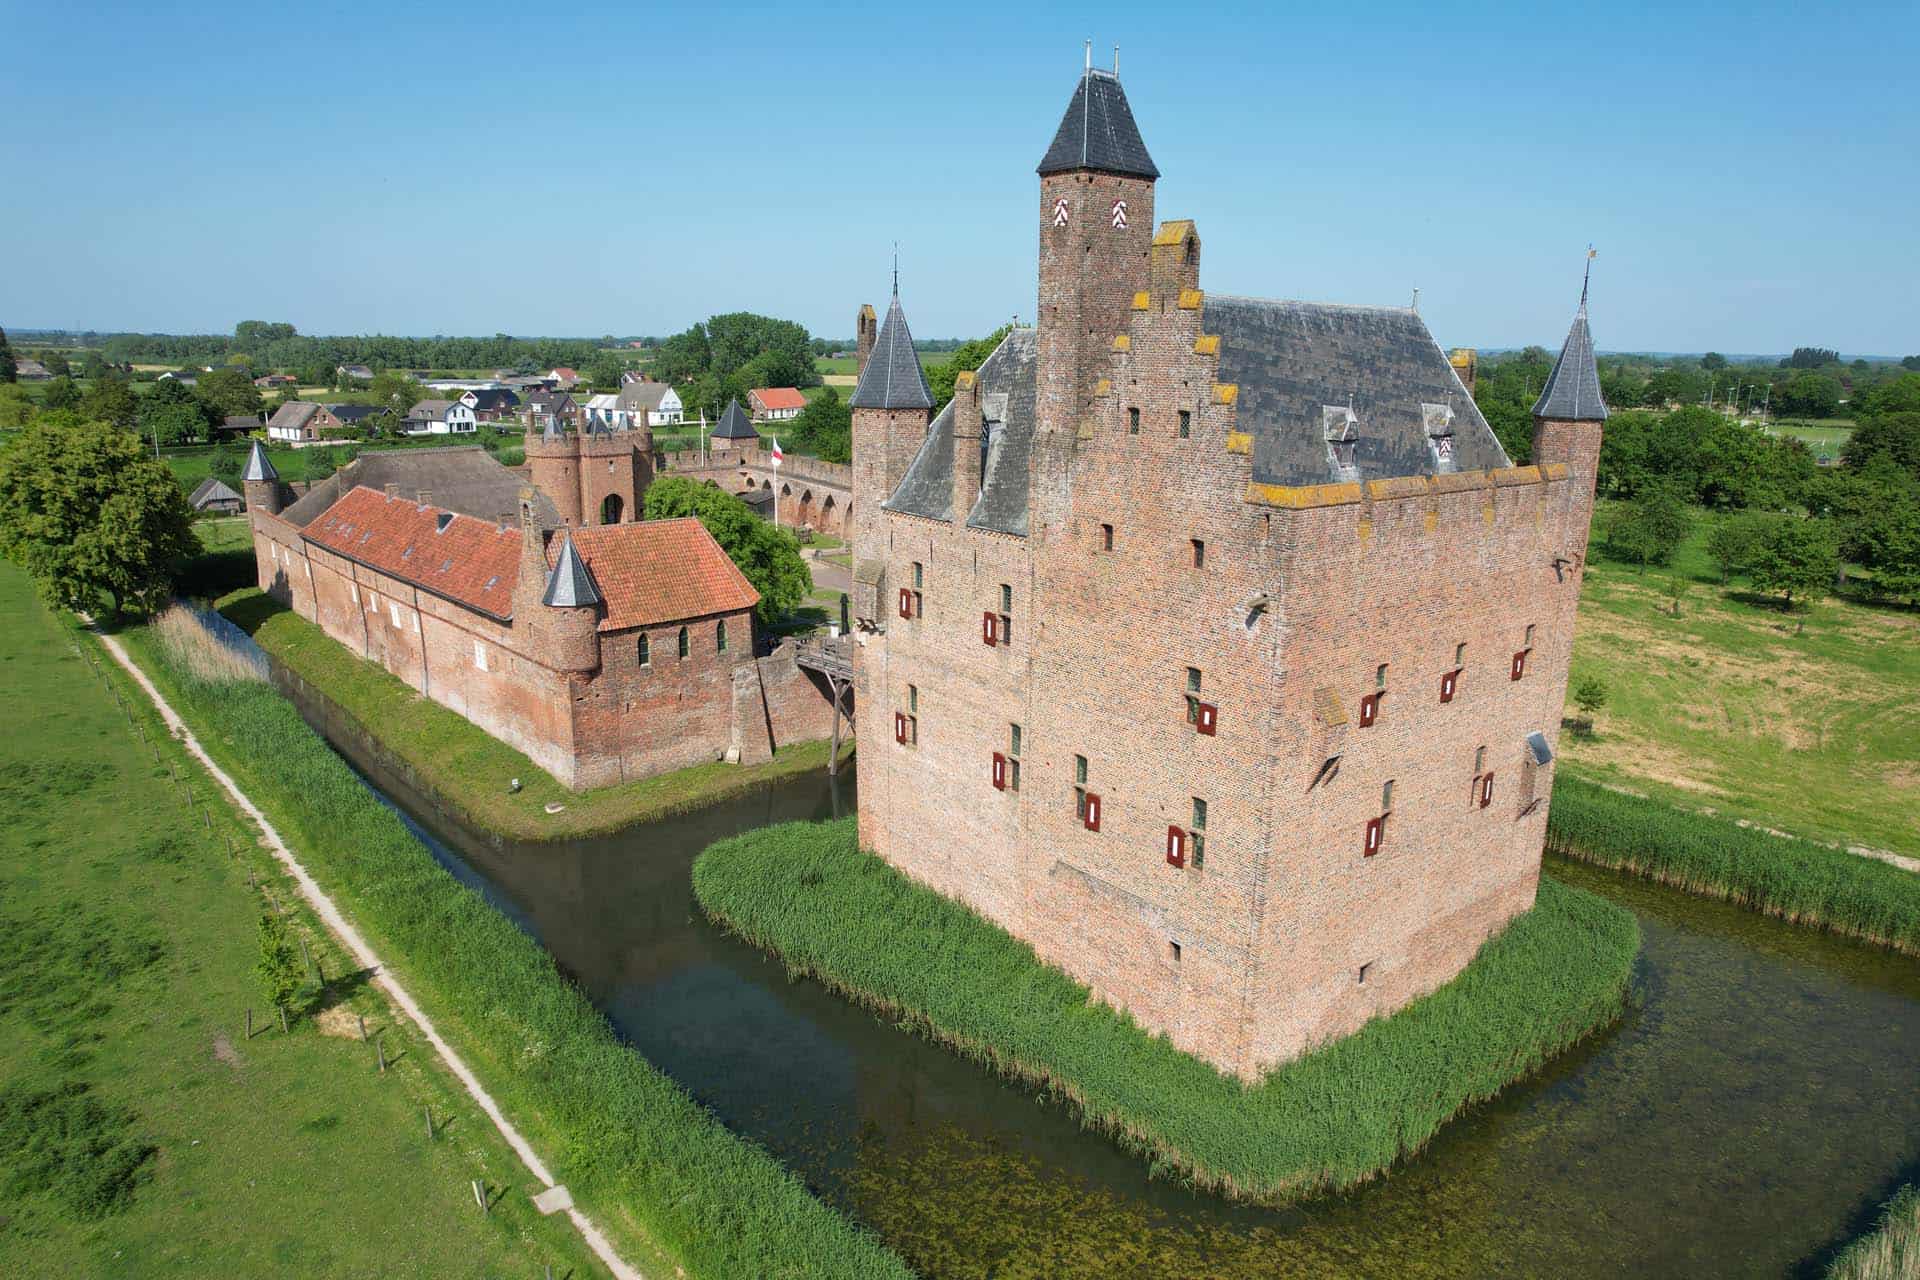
(1212, 645)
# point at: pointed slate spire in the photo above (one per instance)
(1572, 393)
(734, 424)
(893, 378)
(258, 467)
(569, 586)
(1098, 132)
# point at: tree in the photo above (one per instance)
(16, 406)
(229, 393)
(1892, 436)
(765, 553)
(1713, 362)
(1733, 542)
(226, 465)
(92, 366)
(254, 335)
(1590, 695)
(1648, 528)
(1810, 358)
(1795, 556)
(396, 391)
(63, 393)
(172, 414)
(87, 513)
(1896, 395)
(825, 428)
(110, 400)
(56, 363)
(278, 970)
(604, 371)
(966, 356)
(7, 371)
(1809, 395)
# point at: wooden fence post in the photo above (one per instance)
(429, 1114)
(249, 1024)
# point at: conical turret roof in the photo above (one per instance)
(1572, 393)
(569, 585)
(734, 424)
(258, 467)
(893, 378)
(1098, 132)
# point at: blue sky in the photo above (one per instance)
(1747, 174)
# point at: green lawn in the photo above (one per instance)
(1824, 436)
(224, 533)
(127, 942)
(1734, 706)
(468, 768)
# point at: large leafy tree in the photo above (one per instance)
(1795, 557)
(172, 414)
(110, 399)
(1651, 526)
(825, 428)
(1894, 437)
(16, 407)
(733, 353)
(765, 553)
(1809, 395)
(229, 393)
(88, 514)
(63, 393)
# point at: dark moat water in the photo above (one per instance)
(1747, 1116)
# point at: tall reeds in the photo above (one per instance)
(205, 646)
(1891, 1251)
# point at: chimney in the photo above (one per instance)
(867, 329)
(503, 521)
(426, 497)
(393, 491)
(967, 429)
(1466, 364)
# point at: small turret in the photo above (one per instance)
(1569, 416)
(572, 604)
(867, 327)
(260, 482)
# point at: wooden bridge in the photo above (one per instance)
(832, 657)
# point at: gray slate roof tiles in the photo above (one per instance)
(893, 378)
(1007, 389)
(569, 585)
(1098, 132)
(258, 466)
(1572, 393)
(734, 424)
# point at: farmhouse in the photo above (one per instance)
(300, 422)
(30, 371)
(658, 401)
(439, 418)
(775, 404)
(357, 372)
(1210, 644)
(490, 404)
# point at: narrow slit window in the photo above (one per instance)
(1013, 757)
(913, 698)
(644, 651)
(1186, 424)
(1199, 553)
(1133, 422)
(1173, 949)
(1362, 974)
(1380, 676)
(1529, 643)
(1193, 695)
(1197, 834)
(1106, 537)
(1460, 654)
(720, 635)
(685, 647)
(1386, 796)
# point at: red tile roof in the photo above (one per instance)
(779, 398)
(659, 571)
(467, 560)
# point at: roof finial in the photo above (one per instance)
(1116, 62)
(1416, 299)
(896, 268)
(1089, 55)
(1584, 279)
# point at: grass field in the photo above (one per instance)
(1824, 436)
(1734, 707)
(142, 1133)
(468, 768)
(1339, 1115)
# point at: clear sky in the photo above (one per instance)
(1748, 173)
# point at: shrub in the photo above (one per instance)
(1333, 1118)
(1797, 880)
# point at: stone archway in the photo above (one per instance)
(611, 508)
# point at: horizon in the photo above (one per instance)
(349, 208)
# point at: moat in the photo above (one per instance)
(1748, 1115)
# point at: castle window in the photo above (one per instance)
(1193, 695)
(1013, 757)
(1133, 422)
(720, 635)
(1173, 949)
(1106, 537)
(1199, 553)
(913, 697)
(1486, 790)
(1197, 834)
(1449, 682)
(1086, 805)
(684, 646)
(644, 651)
(1186, 424)
(1006, 598)
(1529, 635)
(1362, 974)
(919, 574)
(1386, 796)
(1519, 668)
(1460, 654)
(906, 724)
(479, 656)
(1380, 676)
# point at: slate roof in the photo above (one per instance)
(635, 396)
(1292, 361)
(893, 378)
(734, 425)
(209, 491)
(1007, 401)
(463, 478)
(656, 571)
(472, 562)
(352, 413)
(293, 415)
(1098, 132)
(569, 585)
(259, 467)
(492, 399)
(547, 400)
(1572, 393)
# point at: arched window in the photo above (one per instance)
(683, 642)
(611, 508)
(720, 635)
(646, 652)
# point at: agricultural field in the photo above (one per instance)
(1808, 722)
(142, 1130)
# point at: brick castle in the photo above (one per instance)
(604, 647)
(1214, 646)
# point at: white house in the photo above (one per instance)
(608, 412)
(657, 400)
(775, 404)
(440, 418)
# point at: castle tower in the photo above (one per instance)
(260, 482)
(1096, 226)
(555, 608)
(1569, 416)
(553, 463)
(892, 408)
(867, 326)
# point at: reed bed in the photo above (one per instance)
(205, 646)
(655, 1166)
(1333, 1118)
(1796, 880)
(1891, 1251)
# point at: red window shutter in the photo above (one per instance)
(906, 603)
(999, 772)
(899, 727)
(1375, 828)
(1206, 718)
(1176, 847)
(988, 629)
(1519, 664)
(1369, 708)
(1447, 682)
(1486, 790)
(1093, 812)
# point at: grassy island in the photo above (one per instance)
(1333, 1118)
(1889, 1252)
(466, 768)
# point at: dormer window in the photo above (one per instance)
(1341, 427)
(1438, 420)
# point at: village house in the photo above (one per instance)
(356, 372)
(1211, 645)
(185, 377)
(775, 404)
(605, 412)
(353, 415)
(490, 404)
(30, 371)
(439, 418)
(660, 403)
(545, 406)
(300, 422)
(239, 424)
(564, 378)
(274, 381)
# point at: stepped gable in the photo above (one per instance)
(1292, 361)
(462, 558)
(1007, 402)
(462, 478)
(657, 571)
(1098, 132)
(892, 377)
